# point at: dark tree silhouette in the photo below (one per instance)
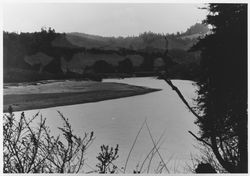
(205, 168)
(197, 28)
(125, 66)
(102, 66)
(223, 86)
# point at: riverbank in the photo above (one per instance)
(59, 93)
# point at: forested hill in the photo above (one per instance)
(179, 40)
(51, 55)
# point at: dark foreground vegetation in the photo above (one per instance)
(29, 147)
(32, 149)
(222, 96)
(223, 87)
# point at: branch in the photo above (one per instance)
(200, 139)
(36, 144)
(182, 97)
(227, 165)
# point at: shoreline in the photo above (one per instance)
(95, 92)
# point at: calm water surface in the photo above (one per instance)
(118, 121)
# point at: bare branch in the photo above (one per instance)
(200, 139)
(182, 97)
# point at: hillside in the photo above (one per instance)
(145, 40)
(51, 55)
(181, 41)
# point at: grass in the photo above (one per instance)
(153, 151)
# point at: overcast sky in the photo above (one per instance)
(101, 19)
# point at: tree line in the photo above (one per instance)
(17, 46)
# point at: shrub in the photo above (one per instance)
(28, 149)
(106, 158)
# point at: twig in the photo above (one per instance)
(156, 147)
(133, 146)
(153, 154)
(150, 160)
(200, 139)
(152, 150)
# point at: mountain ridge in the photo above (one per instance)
(143, 40)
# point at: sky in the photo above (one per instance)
(105, 19)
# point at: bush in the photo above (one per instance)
(106, 158)
(28, 149)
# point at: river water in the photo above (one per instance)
(118, 121)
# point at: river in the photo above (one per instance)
(118, 121)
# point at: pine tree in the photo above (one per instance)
(222, 101)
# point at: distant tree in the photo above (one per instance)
(17, 46)
(125, 66)
(102, 66)
(149, 37)
(197, 28)
(148, 62)
(223, 86)
(54, 66)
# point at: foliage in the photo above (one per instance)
(106, 158)
(223, 86)
(17, 46)
(205, 168)
(125, 66)
(31, 149)
(60, 46)
(197, 29)
(27, 43)
(205, 156)
(101, 66)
